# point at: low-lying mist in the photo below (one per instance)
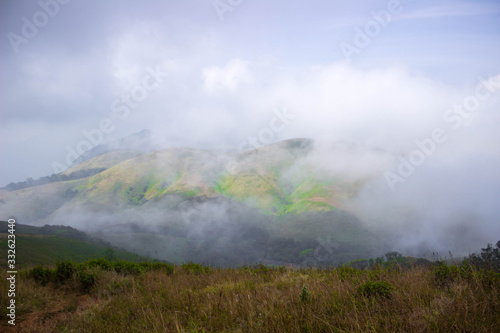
(434, 210)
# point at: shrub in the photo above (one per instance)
(393, 256)
(41, 274)
(489, 258)
(194, 268)
(489, 279)
(347, 272)
(158, 266)
(87, 273)
(305, 296)
(64, 270)
(375, 289)
(104, 264)
(445, 274)
(261, 269)
(87, 279)
(127, 267)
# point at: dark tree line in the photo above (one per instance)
(489, 258)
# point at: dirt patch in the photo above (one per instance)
(43, 320)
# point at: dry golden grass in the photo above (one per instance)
(261, 300)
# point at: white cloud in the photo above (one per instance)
(136, 48)
(229, 77)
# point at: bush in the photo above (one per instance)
(195, 268)
(488, 279)
(489, 258)
(64, 270)
(104, 264)
(87, 279)
(305, 296)
(393, 256)
(261, 269)
(445, 274)
(347, 272)
(41, 274)
(158, 266)
(376, 289)
(127, 267)
(87, 273)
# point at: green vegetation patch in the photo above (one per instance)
(47, 250)
(250, 187)
(308, 206)
(376, 289)
(87, 273)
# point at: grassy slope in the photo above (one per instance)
(150, 176)
(35, 203)
(47, 250)
(47, 245)
(257, 182)
(104, 161)
(266, 178)
(260, 300)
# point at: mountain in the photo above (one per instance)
(138, 142)
(269, 203)
(48, 244)
(94, 160)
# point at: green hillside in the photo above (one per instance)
(266, 179)
(47, 250)
(33, 247)
(179, 204)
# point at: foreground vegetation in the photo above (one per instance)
(117, 296)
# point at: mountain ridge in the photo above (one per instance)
(180, 195)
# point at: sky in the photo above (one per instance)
(235, 74)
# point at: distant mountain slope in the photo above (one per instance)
(275, 179)
(104, 161)
(94, 160)
(32, 204)
(140, 142)
(173, 199)
(49, 244)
